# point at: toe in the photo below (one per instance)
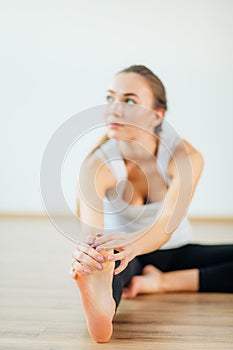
(125, 293)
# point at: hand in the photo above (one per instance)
(85, 259)
(119, 241)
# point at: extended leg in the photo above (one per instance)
(98, 303)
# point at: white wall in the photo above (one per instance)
(57, 58)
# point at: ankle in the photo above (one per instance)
(165, 284)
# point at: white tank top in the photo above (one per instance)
(119, 216)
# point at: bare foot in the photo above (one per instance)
(149, 282)
(98, 303)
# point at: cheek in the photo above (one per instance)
(133, 130)
(106, 111)
(140, 119)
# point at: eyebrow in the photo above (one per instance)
(128, 94)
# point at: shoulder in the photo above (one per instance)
(184, 148)
(184, 152)
(95, 169)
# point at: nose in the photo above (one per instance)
(116, 109)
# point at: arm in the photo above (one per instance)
(94, 179)
(185, 168)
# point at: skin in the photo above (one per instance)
(136, 120)
(135, 114)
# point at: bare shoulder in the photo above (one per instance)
(183, 150)
(97, 171)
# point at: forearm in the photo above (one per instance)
(167, 220)
(151, 238)
(175, 205)
(172, 212)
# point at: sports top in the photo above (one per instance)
(119, 215)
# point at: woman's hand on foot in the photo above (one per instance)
(120, 242)
(85, 260)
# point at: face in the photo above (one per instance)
(129, 111)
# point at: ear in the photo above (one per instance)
(158, 116)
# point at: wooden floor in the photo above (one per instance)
(40, 306)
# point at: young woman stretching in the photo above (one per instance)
(135, 188)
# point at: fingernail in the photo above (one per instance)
(87, 271)
(98, 266)
(73, 274)
(98, 249)
(100, 259)
(90, 240)
(111, 257)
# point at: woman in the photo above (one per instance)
(136, 185)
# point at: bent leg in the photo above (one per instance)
(216, 278)
(193, 267)
(189, 256)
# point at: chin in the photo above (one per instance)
(114, 135)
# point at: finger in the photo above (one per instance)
(73, 274)
(90, 240)
(99, 235)
(80, 269)
(91, 252)
(118, 256)
(112, 245)
(108, 238)
(121, 267)
(86, 260)
(101, 240)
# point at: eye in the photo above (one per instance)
(109, 98)
(130, 101)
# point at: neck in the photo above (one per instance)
(139, 150)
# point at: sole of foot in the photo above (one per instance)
(98, 303)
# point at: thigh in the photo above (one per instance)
(188, 256)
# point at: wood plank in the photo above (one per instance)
(40, 306)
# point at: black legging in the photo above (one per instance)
(215, 264)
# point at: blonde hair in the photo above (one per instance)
(101, 141)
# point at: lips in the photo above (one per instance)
(113, 122)
(115, 125)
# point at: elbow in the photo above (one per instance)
(201, 162)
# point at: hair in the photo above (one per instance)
(159, 94)
(157, 87)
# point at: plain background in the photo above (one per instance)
(57, 58)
